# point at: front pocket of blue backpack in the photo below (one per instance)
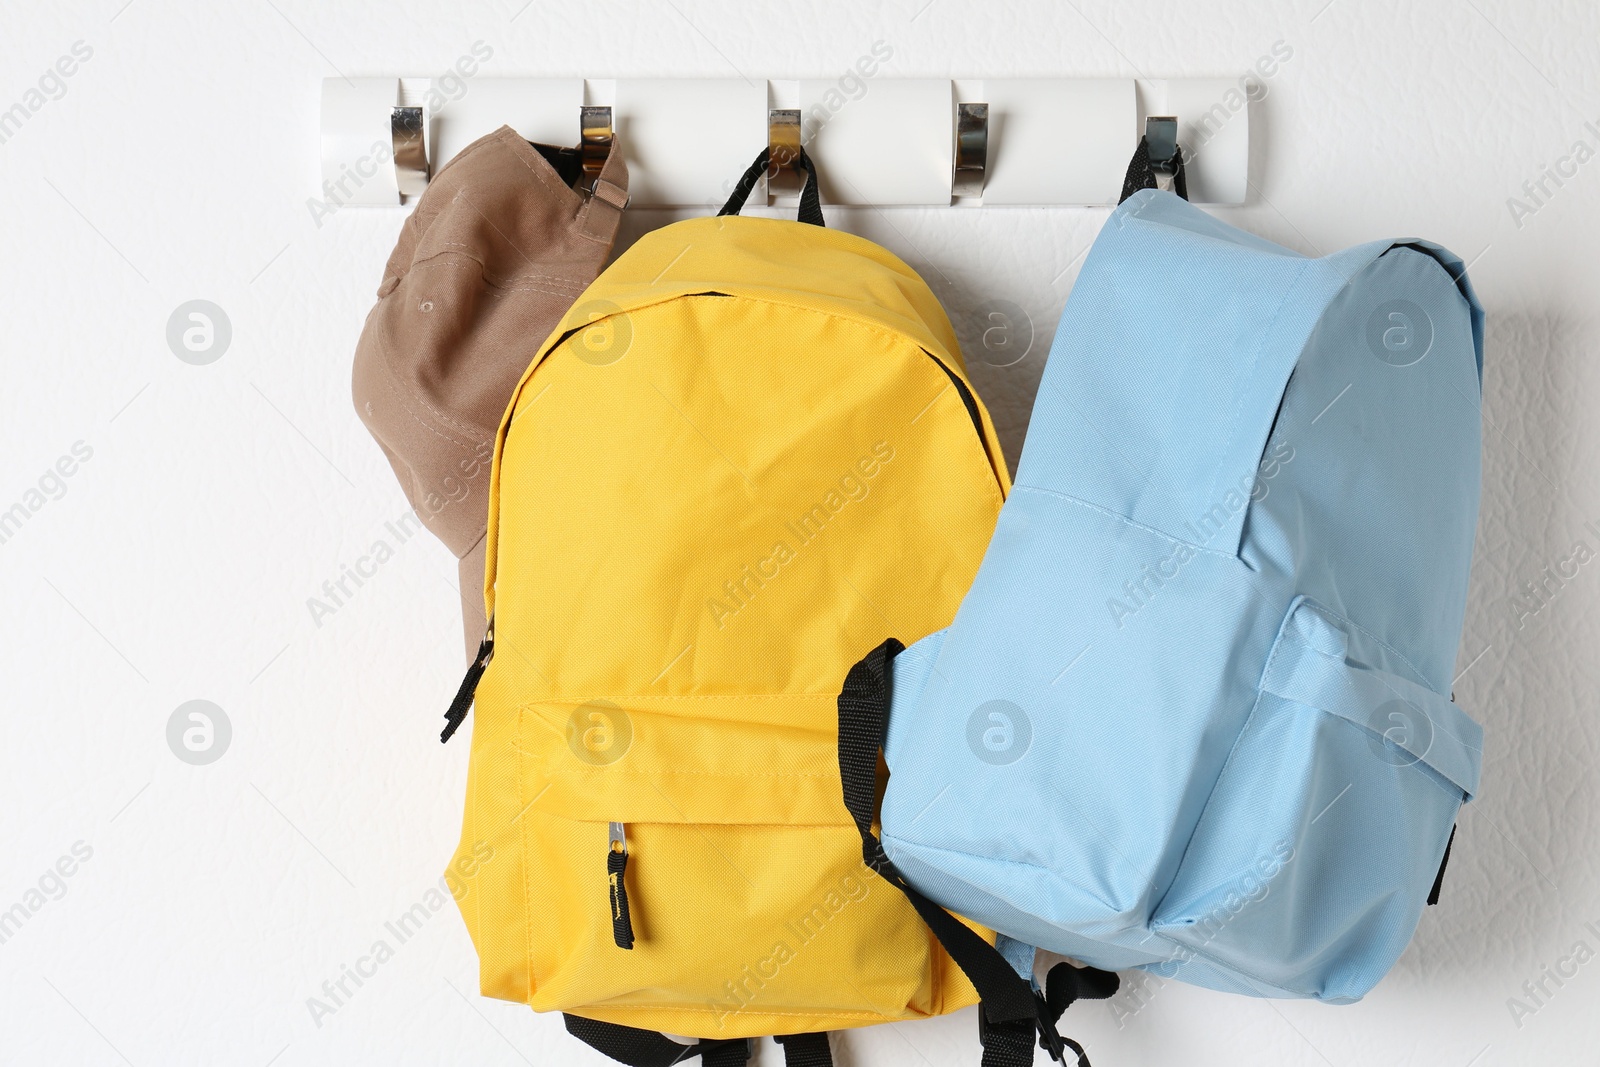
(1313, 859)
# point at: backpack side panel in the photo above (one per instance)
(1378, 521)
(1310, 867)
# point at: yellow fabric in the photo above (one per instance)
(689, 545)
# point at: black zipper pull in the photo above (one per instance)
(616, 866)
(457, 713)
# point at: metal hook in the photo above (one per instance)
(972, 149)
(783, 151)
(594, 142)
(1161, 137)
(409, 149)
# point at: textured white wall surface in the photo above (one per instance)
(173, 913)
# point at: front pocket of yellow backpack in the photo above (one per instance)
(747, 904)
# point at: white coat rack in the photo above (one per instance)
(886, 142)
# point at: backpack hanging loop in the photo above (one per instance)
(810, 199)
(1158, 154)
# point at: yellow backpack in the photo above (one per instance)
(746, 457)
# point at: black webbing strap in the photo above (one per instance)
(733, 1053)
(1438, 879)
(646, 1048)
(1142, 173)
(810, 198)
(1011, 1045)
(1011, 1014)
(805, 1050)
(456, 714)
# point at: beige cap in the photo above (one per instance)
(497, 250)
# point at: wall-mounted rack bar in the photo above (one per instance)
(889, 142)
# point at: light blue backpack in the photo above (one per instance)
(1195, 714)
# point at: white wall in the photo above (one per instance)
(177, 562)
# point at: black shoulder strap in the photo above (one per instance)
(646, 1048)
(805, 1050)
(1012, 1013)
(1142, 174)
(810, 198)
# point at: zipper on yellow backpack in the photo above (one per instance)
(616, 868)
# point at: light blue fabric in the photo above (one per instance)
(1020, 955)
(1194, 715)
